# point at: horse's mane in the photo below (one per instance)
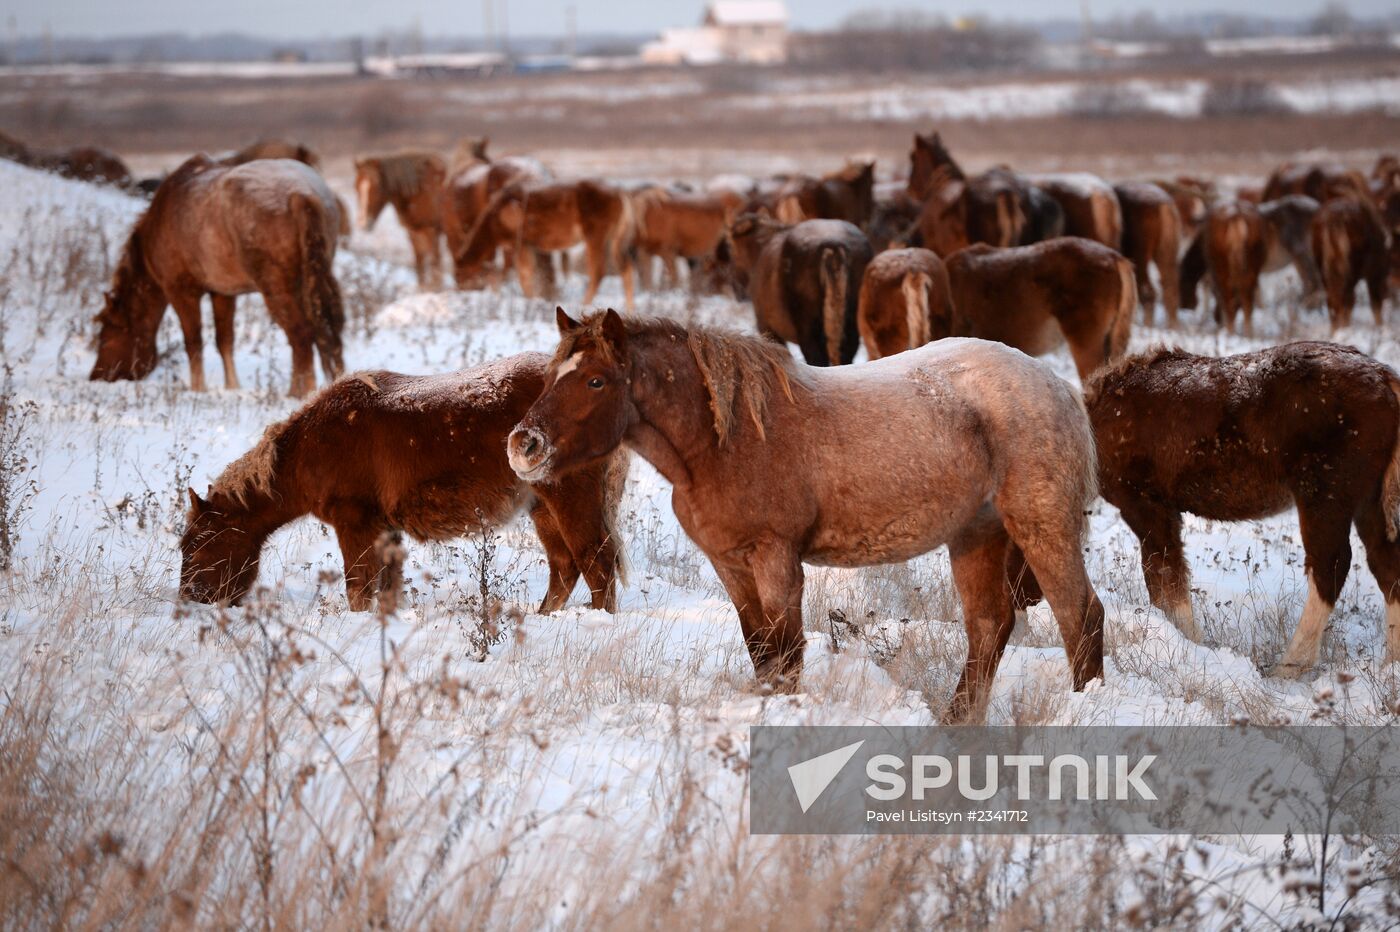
(941, 155)
(740, 372)
(252, 472)
(402, 173)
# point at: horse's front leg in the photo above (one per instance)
(224, 306)
(777, 571)
(357, 529)
(187, 308)
(525, 269)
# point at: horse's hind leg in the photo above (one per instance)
(979, 572)
(224, 306)
(596, 257)
(187, 307)
(1383, 556)
(563, 572)
(1326, 530)
(1164, 568)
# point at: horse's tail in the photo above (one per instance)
(1334, 250)
(1011, 220)
(625, 231)
(614, 484)
(321, 300)
(833, 276)
(1115, 342)
(1236, 254)
(1390, 490)
(1108, 218)
(916, 286)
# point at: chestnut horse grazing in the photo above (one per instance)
(1351, 245)
(412, 182)
(542, 218)
(426, 455)
(267, 226)
(774, 464)
(1314, 425)
(805, 281)
(1152, 236)
(904, 302)
(1066, 290)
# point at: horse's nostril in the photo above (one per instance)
(532, 443)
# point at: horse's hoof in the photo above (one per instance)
(1288, 670)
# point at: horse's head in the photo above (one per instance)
(131, 313)
(926, 157)
(218, 558)
(943, 223)
(369, 190)
(586, 406)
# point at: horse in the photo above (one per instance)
(476, 176)
(905, 302)
(805, 281)
(988, 208)
(1316, 425)
(269, 148)
(1066, 290)
(1193, 198)
(412, 182)
(1287, 235)
(267, 226)
(1152, 236)
(846, 194)
(1090, 206)
(425, 455)
(673, 224)
(550, 217)
(1231, 250)
(774, 464)
(1321, 181)
(1350, 245)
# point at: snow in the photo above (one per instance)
(576, 729)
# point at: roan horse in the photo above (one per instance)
(267, 226)
(1316, 425)
(412, 182)
(774, 464)
(426, 455)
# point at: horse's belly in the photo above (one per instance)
(893, 540)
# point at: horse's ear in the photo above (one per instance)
(197, 503)
(614, 331)
(565, 322)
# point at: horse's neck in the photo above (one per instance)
(675, 431)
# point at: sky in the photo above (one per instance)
(324, 18)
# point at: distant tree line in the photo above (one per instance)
(880, 40)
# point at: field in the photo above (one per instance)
(466, 763)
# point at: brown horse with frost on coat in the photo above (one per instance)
(1090, 205)
(1316, 425)
(268, 226)
(1350, 245)
(426, 455)
(412, 182)
(774, 464)
(1152, 236)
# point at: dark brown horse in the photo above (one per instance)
(425, 455)
(412, 182)
(1152, 236)
(1230, 251)
(904, 302)
(774, 464)
(268, 226)
(1314, 425)
(535, 219)
(1351, 244)
(988, 207)
(81, 163)
(1320, 181)
(269, 148)
(1287, 240)
(804, 280)
(847, 194)
(1035, 298)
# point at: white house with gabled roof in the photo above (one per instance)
(746, 31)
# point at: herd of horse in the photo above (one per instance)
(947, 436)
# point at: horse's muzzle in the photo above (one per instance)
(529, 453)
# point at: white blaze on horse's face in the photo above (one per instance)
(569, 365)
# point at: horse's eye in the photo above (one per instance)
(595, 382)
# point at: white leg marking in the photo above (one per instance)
(1307, 640)
(1392, 632)
(1181, 615)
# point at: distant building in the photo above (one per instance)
(749, 31)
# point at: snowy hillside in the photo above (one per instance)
(574, 770)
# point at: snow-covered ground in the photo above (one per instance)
(570, 770)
